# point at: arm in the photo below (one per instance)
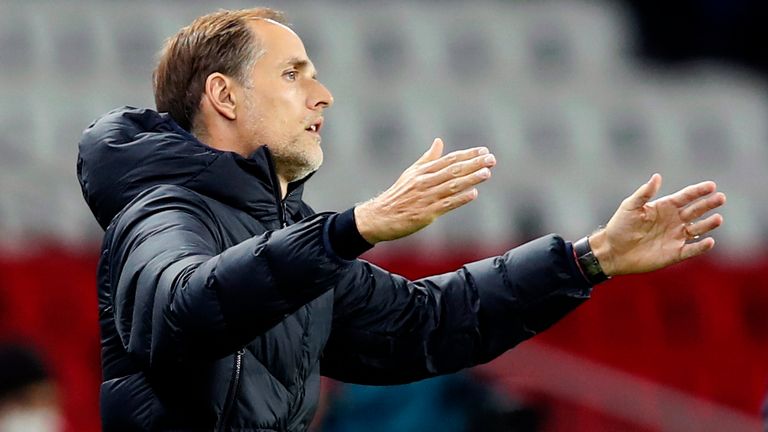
(387, 329)
(175, 293)
(400, 331)
(642, 235)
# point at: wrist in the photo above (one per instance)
(363, 219)
(601, 250)
(585, 252)
(344, 238)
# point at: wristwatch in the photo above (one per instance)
(588, 263)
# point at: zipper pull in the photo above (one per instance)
(285, 213)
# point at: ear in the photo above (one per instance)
(219, 90)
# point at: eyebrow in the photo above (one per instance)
(300, 63)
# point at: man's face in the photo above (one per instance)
(283, 102)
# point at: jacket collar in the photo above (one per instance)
(249, 184)
(130, 150)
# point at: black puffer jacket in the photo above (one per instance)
(220, 305)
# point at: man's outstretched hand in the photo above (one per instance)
(431, 187)
(645, 235)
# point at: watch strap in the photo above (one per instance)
(588, 263)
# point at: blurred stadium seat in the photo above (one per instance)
(550, 87)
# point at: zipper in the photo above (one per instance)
(300, 379)
(234, 386)
(285, 212)
(277, 191)
(282, 219)
(282, 212)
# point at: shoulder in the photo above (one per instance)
(164, 198)
(304, 210)
(164, 207)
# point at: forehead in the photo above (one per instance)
(277, 41)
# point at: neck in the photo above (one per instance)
(225, 144)
(283, 186)
(221, 138)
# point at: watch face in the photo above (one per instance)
(591, 267)
(588, 262)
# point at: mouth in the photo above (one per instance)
(315, 126)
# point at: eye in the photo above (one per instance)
(291, 75)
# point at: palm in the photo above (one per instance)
(645, 236)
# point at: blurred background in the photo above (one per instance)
(580, 100)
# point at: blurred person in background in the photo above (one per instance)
(451, 403)
(28, 395)
(764, 412)
(223, 297)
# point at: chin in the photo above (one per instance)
(312, 156)
(298, 168)
(298, 158)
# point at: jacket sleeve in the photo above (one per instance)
(178, 295)
(389, 330)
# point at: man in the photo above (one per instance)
(223, 297)
(29, 398)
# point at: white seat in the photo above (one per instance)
(574, 42)
(16, 42)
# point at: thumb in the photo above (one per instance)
(434, 152)
(644, 193)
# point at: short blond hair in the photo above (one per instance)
(218, 42)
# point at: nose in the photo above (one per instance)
(320, 96)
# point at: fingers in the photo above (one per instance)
(432, 186)
(691, 193)
(694, 231)
(691, 250)
(702, 206)
(459, 176)
(644, 193)
(453, 158)
(434, 152)
(454, 201)
(703, 226)
(461, 184)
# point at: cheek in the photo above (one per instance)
(294, 100)
(261, 114)
(278, 117)
(275, 110)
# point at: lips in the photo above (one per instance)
(315, 126)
